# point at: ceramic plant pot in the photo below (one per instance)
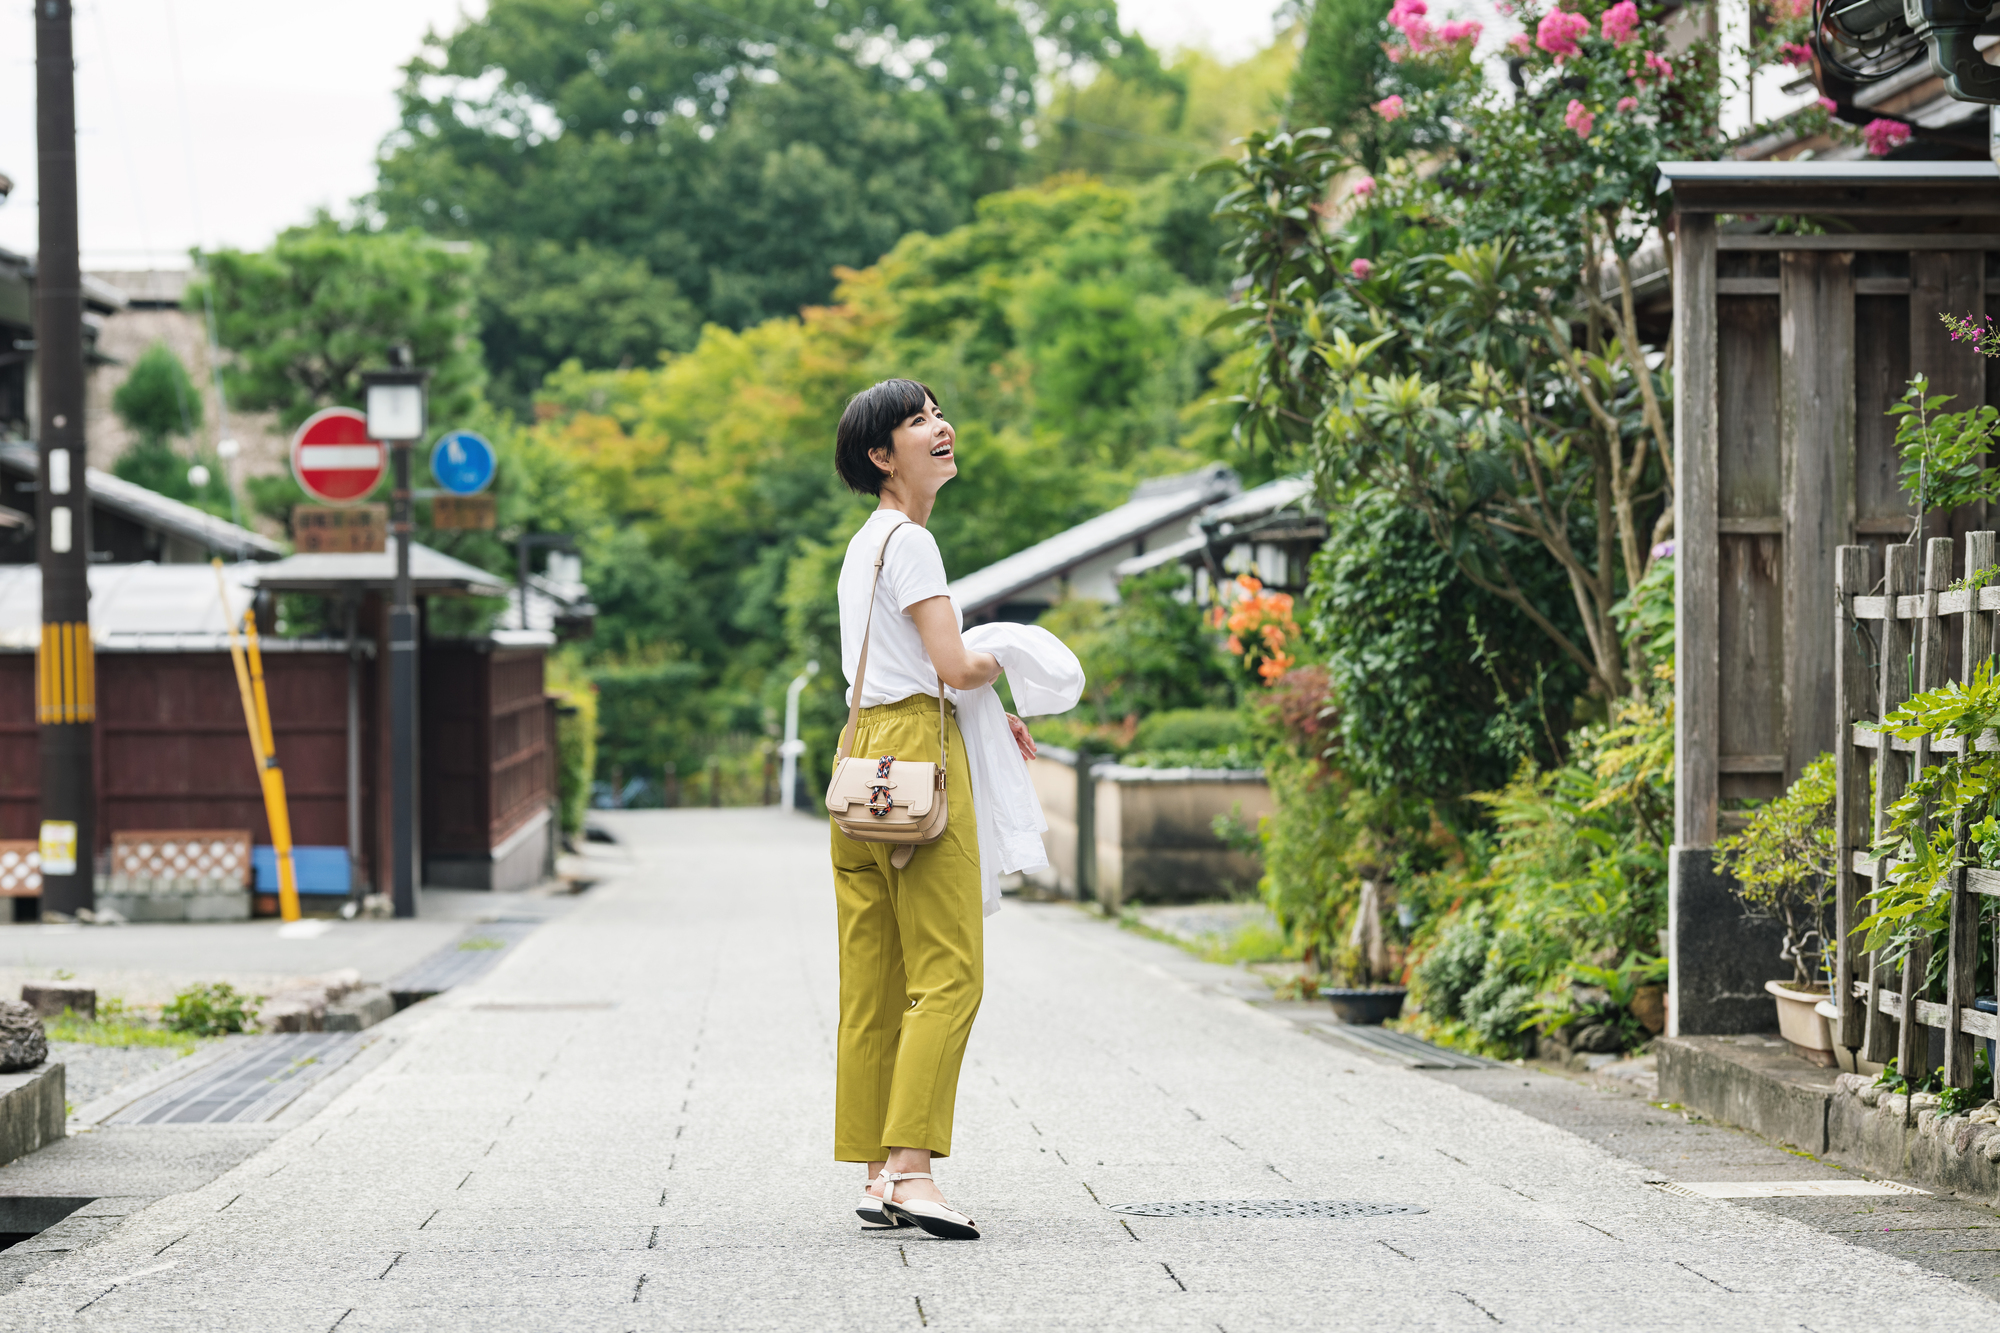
(1365, 1005)
(1801, 1024)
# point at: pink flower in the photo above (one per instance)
(1558, 32)
(1578, 118)
(1620, 22)
(1518, 43)
(1395, 53)
(1659, 66)
(1783, 10)
(1798, 53)
(1361, 269)
(1364, 187)
(1390, 107)
(1828, 105)
(1882, 135)
(1407, 17)
(1626, 104)
(1467, 30)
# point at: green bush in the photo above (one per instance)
(211, 1010)
(1454, 965)
(1191, 729)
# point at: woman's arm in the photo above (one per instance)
(957, 665)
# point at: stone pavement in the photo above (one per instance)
(626, 1126)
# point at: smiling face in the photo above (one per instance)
(922, 451)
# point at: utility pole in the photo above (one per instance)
(66, 666)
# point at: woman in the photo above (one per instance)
(911, 939)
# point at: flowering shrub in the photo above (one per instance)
(1578, 118)
(1390, 107)
(1559, 31)
(1883, 135)
(1620, 22)
(1261, 629)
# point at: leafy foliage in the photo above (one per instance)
(1784, 862)
(1943, 454)
(1441, 688)
(158, 401)
(1468, 339)
(308, 315)
(1146, 658)
(210, 1010)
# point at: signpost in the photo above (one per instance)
(333, 458)
(317, 529)
(462, 462)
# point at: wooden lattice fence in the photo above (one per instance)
(1905, 633)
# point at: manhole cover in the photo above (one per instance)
(1265, 1208)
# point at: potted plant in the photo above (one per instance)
(1783, 863)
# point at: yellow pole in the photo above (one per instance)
(257, 718)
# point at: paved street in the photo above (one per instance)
(626, 1126)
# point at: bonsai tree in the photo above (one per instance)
(1784, 863)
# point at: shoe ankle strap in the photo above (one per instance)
(906, 1175)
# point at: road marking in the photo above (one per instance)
(1783, 1189)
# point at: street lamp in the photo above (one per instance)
(793, 746)
(396, 416)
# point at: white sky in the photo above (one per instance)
(221, 122)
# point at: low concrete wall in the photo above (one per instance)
(1053, 772)
(32, 1110)
(1156, 838)
(1752, 1082)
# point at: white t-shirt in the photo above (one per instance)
(898, 666)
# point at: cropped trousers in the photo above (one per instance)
(911, 957)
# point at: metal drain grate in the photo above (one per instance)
(1410, 1052)
(256, 1083)
(457, 963)
(1265, 1208)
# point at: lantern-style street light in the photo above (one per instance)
(396, 410)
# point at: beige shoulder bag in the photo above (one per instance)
(886, 799)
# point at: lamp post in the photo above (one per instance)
(793, 746)
(396, 416)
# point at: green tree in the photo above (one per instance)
(322, 304)
(158, 402)
(738, 154)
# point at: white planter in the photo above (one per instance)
(1801, 1024)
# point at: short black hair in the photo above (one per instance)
(868, 423)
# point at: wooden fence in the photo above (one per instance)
(1890, 644)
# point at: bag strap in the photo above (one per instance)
(853, 727)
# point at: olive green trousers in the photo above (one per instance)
(911, 957)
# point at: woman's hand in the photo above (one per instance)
(1021, 736)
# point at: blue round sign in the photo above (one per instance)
(462, 463)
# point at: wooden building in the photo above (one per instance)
(171, 748)
(1790, 348)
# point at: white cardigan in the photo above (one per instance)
(1046, 678)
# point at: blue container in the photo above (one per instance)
(321, 870)
(1985, 1004)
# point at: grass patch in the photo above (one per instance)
(1254, 942)
(116, 1029)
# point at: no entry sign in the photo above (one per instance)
(333, 458)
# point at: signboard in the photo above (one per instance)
(462, 462)
(362, 529)
(333, 458)
(462, 513)
(58, 847)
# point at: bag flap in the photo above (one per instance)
(912, 786)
